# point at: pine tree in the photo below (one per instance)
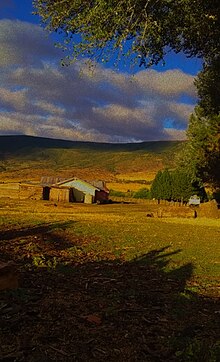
(156, 189)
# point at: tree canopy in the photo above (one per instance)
(208, 87)
(175, 185)
(144, 29)
(201, 156)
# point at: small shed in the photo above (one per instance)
(28, 190)
(102, 194)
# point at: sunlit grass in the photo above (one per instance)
(125, 187)
(125, 231)
(133, 176)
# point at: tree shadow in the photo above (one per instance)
(33, 230)
(114, 310)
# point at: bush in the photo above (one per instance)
(142, 194)
(117, 193)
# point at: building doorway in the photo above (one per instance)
(46, 193)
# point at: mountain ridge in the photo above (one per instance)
(15, 142)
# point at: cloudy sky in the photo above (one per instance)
(39, 97)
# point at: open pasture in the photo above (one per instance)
(147, 176)
(124, 230)
(107, 282)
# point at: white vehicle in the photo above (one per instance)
(194, 200)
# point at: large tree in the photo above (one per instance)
(145, 29)
(208, 87)
(201, 156)
(161, 188)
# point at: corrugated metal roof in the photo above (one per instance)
(50, 180)
(100, 185)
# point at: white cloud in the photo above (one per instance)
(24, 43)
(39, 97)
(171, 83)
(174, 134)
(14, 99)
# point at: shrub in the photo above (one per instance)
(143, 193)
(117, 193)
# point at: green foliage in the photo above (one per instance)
(196, 350)
(145, 31)
(162, 186)
(202, 153)
(143, 193)
(208, 87)
(41, 261)
(201, 157)
(156, 188)
(176, 185)
(167, 185)
(100, 28)
(182, 186)
(117, 193)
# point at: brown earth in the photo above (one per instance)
(81, 309)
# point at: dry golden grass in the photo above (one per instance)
(125, 186)
(9, 186)
(133, 176)
(32, 174)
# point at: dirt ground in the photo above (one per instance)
(112, 310)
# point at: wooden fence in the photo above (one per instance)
(146, 201)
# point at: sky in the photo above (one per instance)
(39, 97)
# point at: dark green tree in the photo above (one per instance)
(156, 187)
(161, 188)
(167, 186)
(182, 186)
(201, 156)
(208, 87)
(175, 185)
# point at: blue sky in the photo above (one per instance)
(40, 97)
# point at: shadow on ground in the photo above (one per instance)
(80, 309)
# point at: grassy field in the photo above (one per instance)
(124, 230)
(104, 282)
(107, 282)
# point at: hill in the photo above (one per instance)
(30, 157)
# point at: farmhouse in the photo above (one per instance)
(58, 189)
(74, 190)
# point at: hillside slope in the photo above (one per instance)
(27, 156)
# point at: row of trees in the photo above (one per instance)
(168, 185)
(176, 186)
